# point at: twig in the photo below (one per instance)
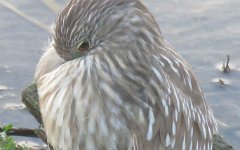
(20, 132)
(26, 132)
(226, 67)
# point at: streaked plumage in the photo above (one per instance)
(130, 90)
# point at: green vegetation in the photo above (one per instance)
(7, 142)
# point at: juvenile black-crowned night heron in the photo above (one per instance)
(109, 81)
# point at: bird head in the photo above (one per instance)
(86, 26)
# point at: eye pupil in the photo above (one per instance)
(83, 46)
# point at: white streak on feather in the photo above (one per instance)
(197, 145)
(189, 83)
(168, 140)
(199, 119)
(150, 125)
(209, 131)
(174, 69)
(157, 73)
(191, 145)
(204, 146)
(49, 102)
(117, 124)
(188, 123)
(177, 99)
(184, 143)
(141, 116)
(111, 65)
(184, 81)
(189, 79)
(103, 126)
(173, 143)
(191, 132)
(169, 101)
(204, 132)
(131, 57)
(162, 63)
(121, 62)
(169, 90)
(165, 107)
(173, 128)
(112, 94)
(176, 115)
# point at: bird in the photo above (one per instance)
(108, 80)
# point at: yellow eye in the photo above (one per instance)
(83, 46)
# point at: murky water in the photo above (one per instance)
(203, 32)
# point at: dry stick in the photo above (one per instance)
(20, 132)
(226, 67)
(26, 132)
(228, 60)
(36, 133)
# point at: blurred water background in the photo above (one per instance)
(203, 32)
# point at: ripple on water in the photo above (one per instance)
(221, 81)
(7, 95)
(3, 88)
(5, 68)
(5, 92)
(14, 106)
